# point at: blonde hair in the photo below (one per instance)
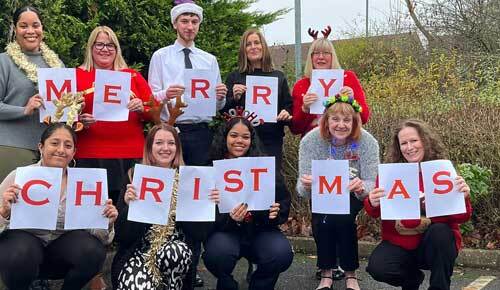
(88, 63)
(244, 66)
(320, 44)
(343, 109)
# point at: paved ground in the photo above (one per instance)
(301, 276)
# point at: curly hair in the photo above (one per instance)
(219, 145)
(433, 147)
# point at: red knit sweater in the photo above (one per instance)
(112, 140)
(303, 122)
(411, 242)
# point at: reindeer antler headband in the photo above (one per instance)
(314, 33)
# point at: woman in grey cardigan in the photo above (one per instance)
(339, 136)
(20, 127)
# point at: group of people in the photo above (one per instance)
(166, 256)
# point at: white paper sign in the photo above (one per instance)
(52, 84)
(111, 95)
(38, 201)
(401, 200)
(325, 83)
(262, 97)
(228, 179)
(200, 95)
(441, 195)
(86, 195)
(263, 182)
(195, 185)
(153, 186)
(250, 180)
(330, 187)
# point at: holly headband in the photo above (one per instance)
(343, 98)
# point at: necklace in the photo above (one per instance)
(13, 50)
(349, 154)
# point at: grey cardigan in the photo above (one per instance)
(16, 129)
(314, 147)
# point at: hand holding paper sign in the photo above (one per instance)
(462, 186)
(34, 103)
(356, 185)
(284, 116)
(214, 196)
(238, 91)
(135, 105)
(306, 180)
(375, 195)
(130, 194)
(9, 197)
(110, 211)
(274, 211)
(175, 91)
(220, 91)
(239, 212)
(308, 100)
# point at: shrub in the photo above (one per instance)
(457, 95)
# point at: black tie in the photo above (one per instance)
(187, 61)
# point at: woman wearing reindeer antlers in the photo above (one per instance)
(321, 55)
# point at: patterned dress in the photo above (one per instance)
(172, 261)
(158, 259)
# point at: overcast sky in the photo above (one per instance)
(344, 16)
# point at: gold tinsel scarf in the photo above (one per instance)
(159, 235)
(15, 52)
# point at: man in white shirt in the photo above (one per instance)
(166, 78)
(166, 73)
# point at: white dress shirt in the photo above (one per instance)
(167, 68)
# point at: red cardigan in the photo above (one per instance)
(112, 140)
(411, 242)
(303, 122)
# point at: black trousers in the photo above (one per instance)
(336, 237)
(400, 267)
(75, 256)
(270, 250)
(196, 140)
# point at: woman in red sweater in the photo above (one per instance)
(114, 146)
(410, 245)
(321, 55)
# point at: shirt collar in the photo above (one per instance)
(179, 47)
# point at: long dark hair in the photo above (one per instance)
(219, 144)
(17, 15)
(49, 131)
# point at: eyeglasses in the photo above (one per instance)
(324, 53)
(100, 46)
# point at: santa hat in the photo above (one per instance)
(185, 6)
